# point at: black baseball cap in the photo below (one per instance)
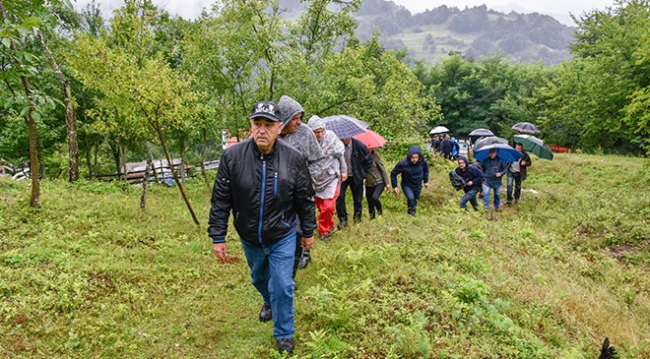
(266, 109)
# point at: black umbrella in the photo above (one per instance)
(481, 132)
(526, 127)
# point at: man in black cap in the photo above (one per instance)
(266, 184)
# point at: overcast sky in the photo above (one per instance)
(190, 9)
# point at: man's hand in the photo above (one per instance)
(426, 185)
(396, 190)
(498, 174)
(344, 177)
(523, 163)
(470, 183)
(220, 250)
(387, 186)
(306, 242)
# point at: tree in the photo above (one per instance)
(602, 93)
(149, 98)
(20, 63)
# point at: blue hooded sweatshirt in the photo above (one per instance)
(413, 175)
(455, 147)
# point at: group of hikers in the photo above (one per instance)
(446, 146)
(481, 178)
(274, 181)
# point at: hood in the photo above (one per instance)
(453, 139)
(413, 150)
(289, 108)
(316, 122)
(464, 159)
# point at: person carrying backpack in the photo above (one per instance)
(473, 177)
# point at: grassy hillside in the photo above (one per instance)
(90, 275)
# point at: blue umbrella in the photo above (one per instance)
(504, 150)
(345, 126)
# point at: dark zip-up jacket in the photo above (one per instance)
(490, 168)
(471, 173)
(413, 175)
(264, 192)
(361, 160)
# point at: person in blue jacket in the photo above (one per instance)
(473, 177)
(414, 170)
(494, 168)
(455, 148)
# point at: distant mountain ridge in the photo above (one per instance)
(474, 32)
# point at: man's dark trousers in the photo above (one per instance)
(357, 196)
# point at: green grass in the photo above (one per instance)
(91, 275)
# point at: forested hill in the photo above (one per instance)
(473, 31)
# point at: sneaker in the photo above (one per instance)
(326, 237)
(266, 313)
(343, 224)
(285, 345)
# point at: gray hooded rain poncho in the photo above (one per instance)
(333, 164)
(303, 140)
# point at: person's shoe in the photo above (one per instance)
(266, 314)
(509, 202)
(285, 345)
(326, 237)
(411, 211)
(372, 215)
(357, 218)
(304, 260)
(343, 224)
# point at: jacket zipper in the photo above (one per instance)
(275, 184)
(259, 226)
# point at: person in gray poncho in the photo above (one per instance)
(326, 183)
(301, 137)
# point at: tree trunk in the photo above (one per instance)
(96, 147)
(181, 166)
(115, 150)
(204, 132)
(143, 197)
(70, 120)
(35, 200)
(124, 175)
(151, 163)
(89, 162)
(178, 182)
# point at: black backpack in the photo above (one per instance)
(456, 180)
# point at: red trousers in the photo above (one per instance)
(326, 209)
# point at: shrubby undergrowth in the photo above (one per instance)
(91, 275)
